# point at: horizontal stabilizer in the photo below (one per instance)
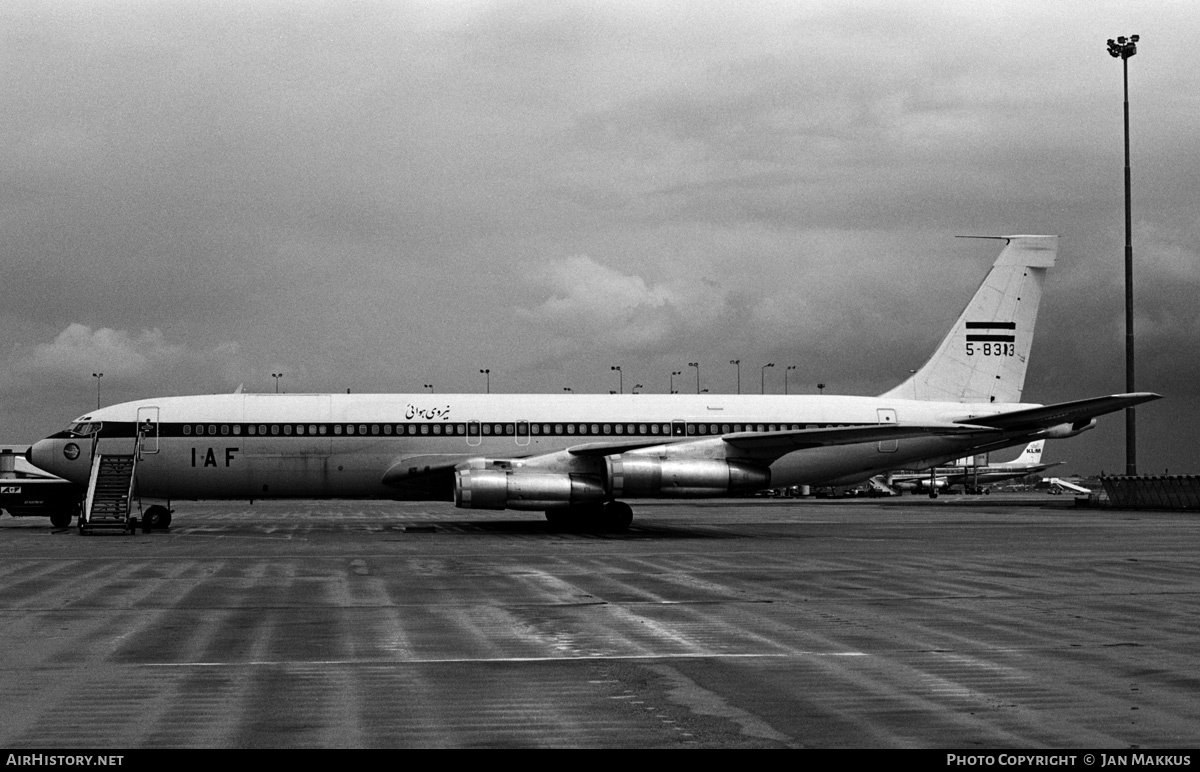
(1062, 413)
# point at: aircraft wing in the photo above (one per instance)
(761, 445)
(782, 442)
(778, 443)
(619, 446)
(1075, 412)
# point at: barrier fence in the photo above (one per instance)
(1153, 491)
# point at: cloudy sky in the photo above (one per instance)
(383, 195)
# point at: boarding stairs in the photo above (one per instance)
(879, 487)
(110, 493)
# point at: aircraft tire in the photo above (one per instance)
(157, 516)
(570, 520)
(611, 516)
(618, 516)
(61, 518)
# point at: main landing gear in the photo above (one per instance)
(608, 517)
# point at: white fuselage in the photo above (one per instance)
(251, 446)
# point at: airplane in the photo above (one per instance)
(972, 476)
(576, 456)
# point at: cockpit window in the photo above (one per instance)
(85, 429)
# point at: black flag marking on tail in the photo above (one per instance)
(992, 337)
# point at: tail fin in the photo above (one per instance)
(983, 357)
(1032, 454)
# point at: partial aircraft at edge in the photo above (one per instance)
(572, 456)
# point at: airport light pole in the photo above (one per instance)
(276, 376)
(97, 376)
(568, 389)
(763, 373)
(697, 366)
(785, 377)
(673, 374)
(738, 362)
(488, 374)
(635, 388)
(429, 386)
(1124, 48)
(821, 388)
(622, 376)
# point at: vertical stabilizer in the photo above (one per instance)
(983, 358)
(1032, 455)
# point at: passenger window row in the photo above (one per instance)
(475, 429)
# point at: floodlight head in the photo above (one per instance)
(1123, 47)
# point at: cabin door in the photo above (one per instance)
(887, 416)
(147, 426)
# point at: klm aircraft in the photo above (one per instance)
(965, 472)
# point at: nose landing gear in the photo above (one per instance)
(156, 517)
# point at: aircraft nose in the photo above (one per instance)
(40, 454)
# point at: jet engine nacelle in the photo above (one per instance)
(540, 491)
(1062, 431)
(634, 475)
(920, 484)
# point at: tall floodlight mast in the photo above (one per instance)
(1122, 48)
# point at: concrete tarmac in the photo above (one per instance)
(966, 622)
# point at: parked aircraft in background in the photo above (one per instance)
(970, 475)
(576, 456)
